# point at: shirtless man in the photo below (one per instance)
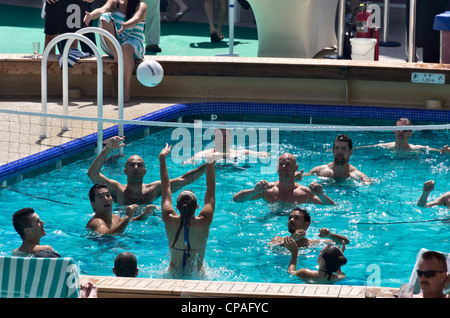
(31, 229)
(222, 140)
(402, 140)
(285, 189)
(340, 168)
(298, 223)
(135, 191)
(427, 188)
(104, 221)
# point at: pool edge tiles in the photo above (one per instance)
(119, 287)
(66, 150)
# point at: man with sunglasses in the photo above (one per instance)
(432, 274)
(428, 186)
(402, 140)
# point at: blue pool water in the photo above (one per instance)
(385, 227)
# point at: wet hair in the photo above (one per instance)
(345, 138)
(306, 215)
(21, 220)
(94, 189)
(131, 8)
(428, 255)
(125, 265)
(334, 258)
(186, 204)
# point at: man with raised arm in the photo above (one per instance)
(428, 186)
(135, 191)
(285, 189)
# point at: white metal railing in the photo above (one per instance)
(231, 18)
(412, 32)
(70, 37)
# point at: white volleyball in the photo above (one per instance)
(150, 73)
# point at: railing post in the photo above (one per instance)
(341, 28)
(386, 41)
(79, 36)
(70, 38)
(412, 32)
(119, 68)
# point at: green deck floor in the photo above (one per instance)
(20, 26)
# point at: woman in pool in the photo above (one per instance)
(187, 234)
(330, 260)
(125, 19)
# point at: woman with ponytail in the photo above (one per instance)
(330, 260)
(187, 234)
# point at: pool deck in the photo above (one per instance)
(120, 287)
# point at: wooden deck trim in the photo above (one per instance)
(241, 67)
(121, 287)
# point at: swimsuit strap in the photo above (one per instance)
(186, 252)
(326, 272)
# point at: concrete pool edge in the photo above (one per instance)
(124, 287)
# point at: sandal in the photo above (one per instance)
(215, 37)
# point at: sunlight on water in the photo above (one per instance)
(385, 227)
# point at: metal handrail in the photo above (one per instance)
(120, 88)
(341, 28)
(412, 32)
(70, 37)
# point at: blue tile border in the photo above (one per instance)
(72, 148)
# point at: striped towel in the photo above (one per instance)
(29, 277)
(73, 57)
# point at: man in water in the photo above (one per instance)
(401, 142)
(428, 186)
(432, 275)
(135, 191)
(298, 224)
(340, 168)
(285, 190)
(222, 141)
(31, 229)
(104, 221)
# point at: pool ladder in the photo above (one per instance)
(70, 37)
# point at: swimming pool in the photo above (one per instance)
(382, 221)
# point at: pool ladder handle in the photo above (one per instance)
(79, 36)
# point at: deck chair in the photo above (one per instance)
(413, 280)
(29, 277)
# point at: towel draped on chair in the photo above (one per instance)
(28, 277)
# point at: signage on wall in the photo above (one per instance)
(428, 78)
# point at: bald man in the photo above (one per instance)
(285, 190)
(135, 191)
